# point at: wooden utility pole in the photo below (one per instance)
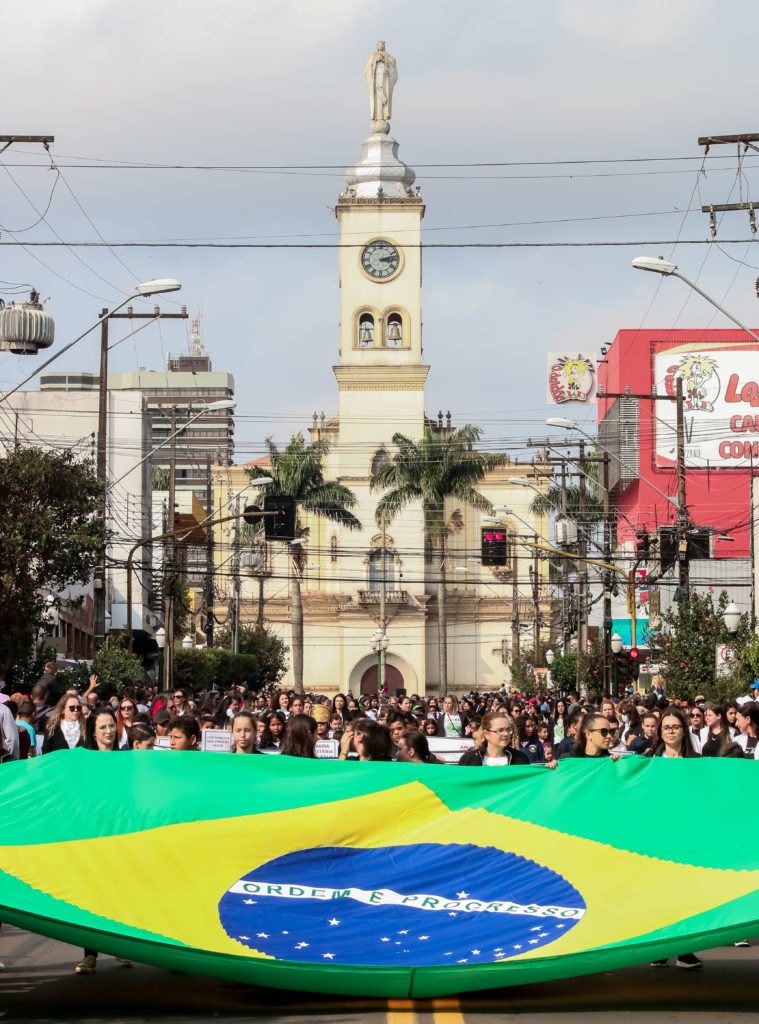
(608, 621)
(582, 550)
(169, 560)
(514, 606)
(209, 595)
(683, 586)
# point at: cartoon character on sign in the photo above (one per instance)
(571, 379)
(701, 385)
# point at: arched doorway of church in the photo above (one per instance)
(393, 679)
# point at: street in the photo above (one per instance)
(38, 984)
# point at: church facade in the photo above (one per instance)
(349, 578)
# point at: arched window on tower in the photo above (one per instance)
(394, 337)
(333, 548)
(366, 331)
(375, 571)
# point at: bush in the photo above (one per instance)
(214, 667)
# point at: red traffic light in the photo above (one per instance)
(634, 653)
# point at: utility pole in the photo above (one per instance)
(101, 461)
(582, 550)
(169, 560)
(514, 606)
(236, 584)
(608, 622)
(209, 559)
(535, 580)
(383, 613)
(683, 587)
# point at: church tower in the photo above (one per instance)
(380, 377)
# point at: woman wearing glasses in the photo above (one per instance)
(496, 743)
(595, 738)
(125, 720)
(65, 726)
(674, 737)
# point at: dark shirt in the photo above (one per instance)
(474, 756)
(565, 748)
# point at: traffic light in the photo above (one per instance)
(280, 526)
(642, 543)
(252, 514)
(494, 546)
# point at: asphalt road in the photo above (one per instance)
(38, 984)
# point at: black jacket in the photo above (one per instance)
(474, 757)
(57, 741)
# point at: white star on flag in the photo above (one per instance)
(384, 939)
(559, 925)
(423, 937)
(475, 952)
(533, 942)
(535, 929)
(462, 895)
(517, 947)
(249, 902)
(333, 920)
(243, 937)
(301, 945)
(285, 933)
(403, 931)
(462, 961)
(328, 956)
(262, 935)
(542, 935)
(452, 914)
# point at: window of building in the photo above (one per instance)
(333, 548)
(394, 327)
(381, 458)
(375, 571)
(366, 331)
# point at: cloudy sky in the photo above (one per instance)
(589, 110)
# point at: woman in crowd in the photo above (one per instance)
(340, 706)
(594, 738)
(430, 727)
(244, 731)
(276, 726)
(125, 720)
(414, 748)
(283, 703)
(300, 737)
(747, 721)
(717, 731)
(673, 737)
(101, 732)
(630, 722)
(496, 743)
(528, 740)
(560, 722)
(370, 740)
(65, 726)
(451, 723)
(141, 737)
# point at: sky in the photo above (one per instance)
(590, 111)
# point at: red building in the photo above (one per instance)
(720, 376)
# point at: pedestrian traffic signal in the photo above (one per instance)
(494, 546)
(281, 525)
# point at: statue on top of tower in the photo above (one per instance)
(381, 74)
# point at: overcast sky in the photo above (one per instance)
(280, 82)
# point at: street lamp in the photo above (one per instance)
(187, 643)
(379, 644)
(667, 269)
(549, 657)
(732, 617)
(616, 647)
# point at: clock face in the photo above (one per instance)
(380, 259)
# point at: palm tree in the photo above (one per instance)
(430, 470)
(297, 471)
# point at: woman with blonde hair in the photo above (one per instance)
(496, 743)
(65, 726)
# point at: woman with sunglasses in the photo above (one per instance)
(595, 738)
(125, 720)
(65, 726)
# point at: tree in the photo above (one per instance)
(116, 667)
(686, 643)
(437, 467)
(270, 650)
(297, 471)
(49, 538)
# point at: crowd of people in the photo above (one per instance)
(496, 729)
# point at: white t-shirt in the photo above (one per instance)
(498, 761)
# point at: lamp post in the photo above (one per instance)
(160, 639)
(732, 617)
(379, 643)
(616, 647)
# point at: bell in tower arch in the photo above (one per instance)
(394, 331)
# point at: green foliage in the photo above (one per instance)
(214, 667)
(49, 538)
(522, 675)
(116, 667)
(436, 467)
(270, 650)
(686, 643)
(160, 478)
(564, 672)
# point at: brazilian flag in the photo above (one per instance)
(378, 879)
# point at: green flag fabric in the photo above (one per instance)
(378, 879)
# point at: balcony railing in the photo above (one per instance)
(373, 597)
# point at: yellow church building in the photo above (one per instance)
(347, 580)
